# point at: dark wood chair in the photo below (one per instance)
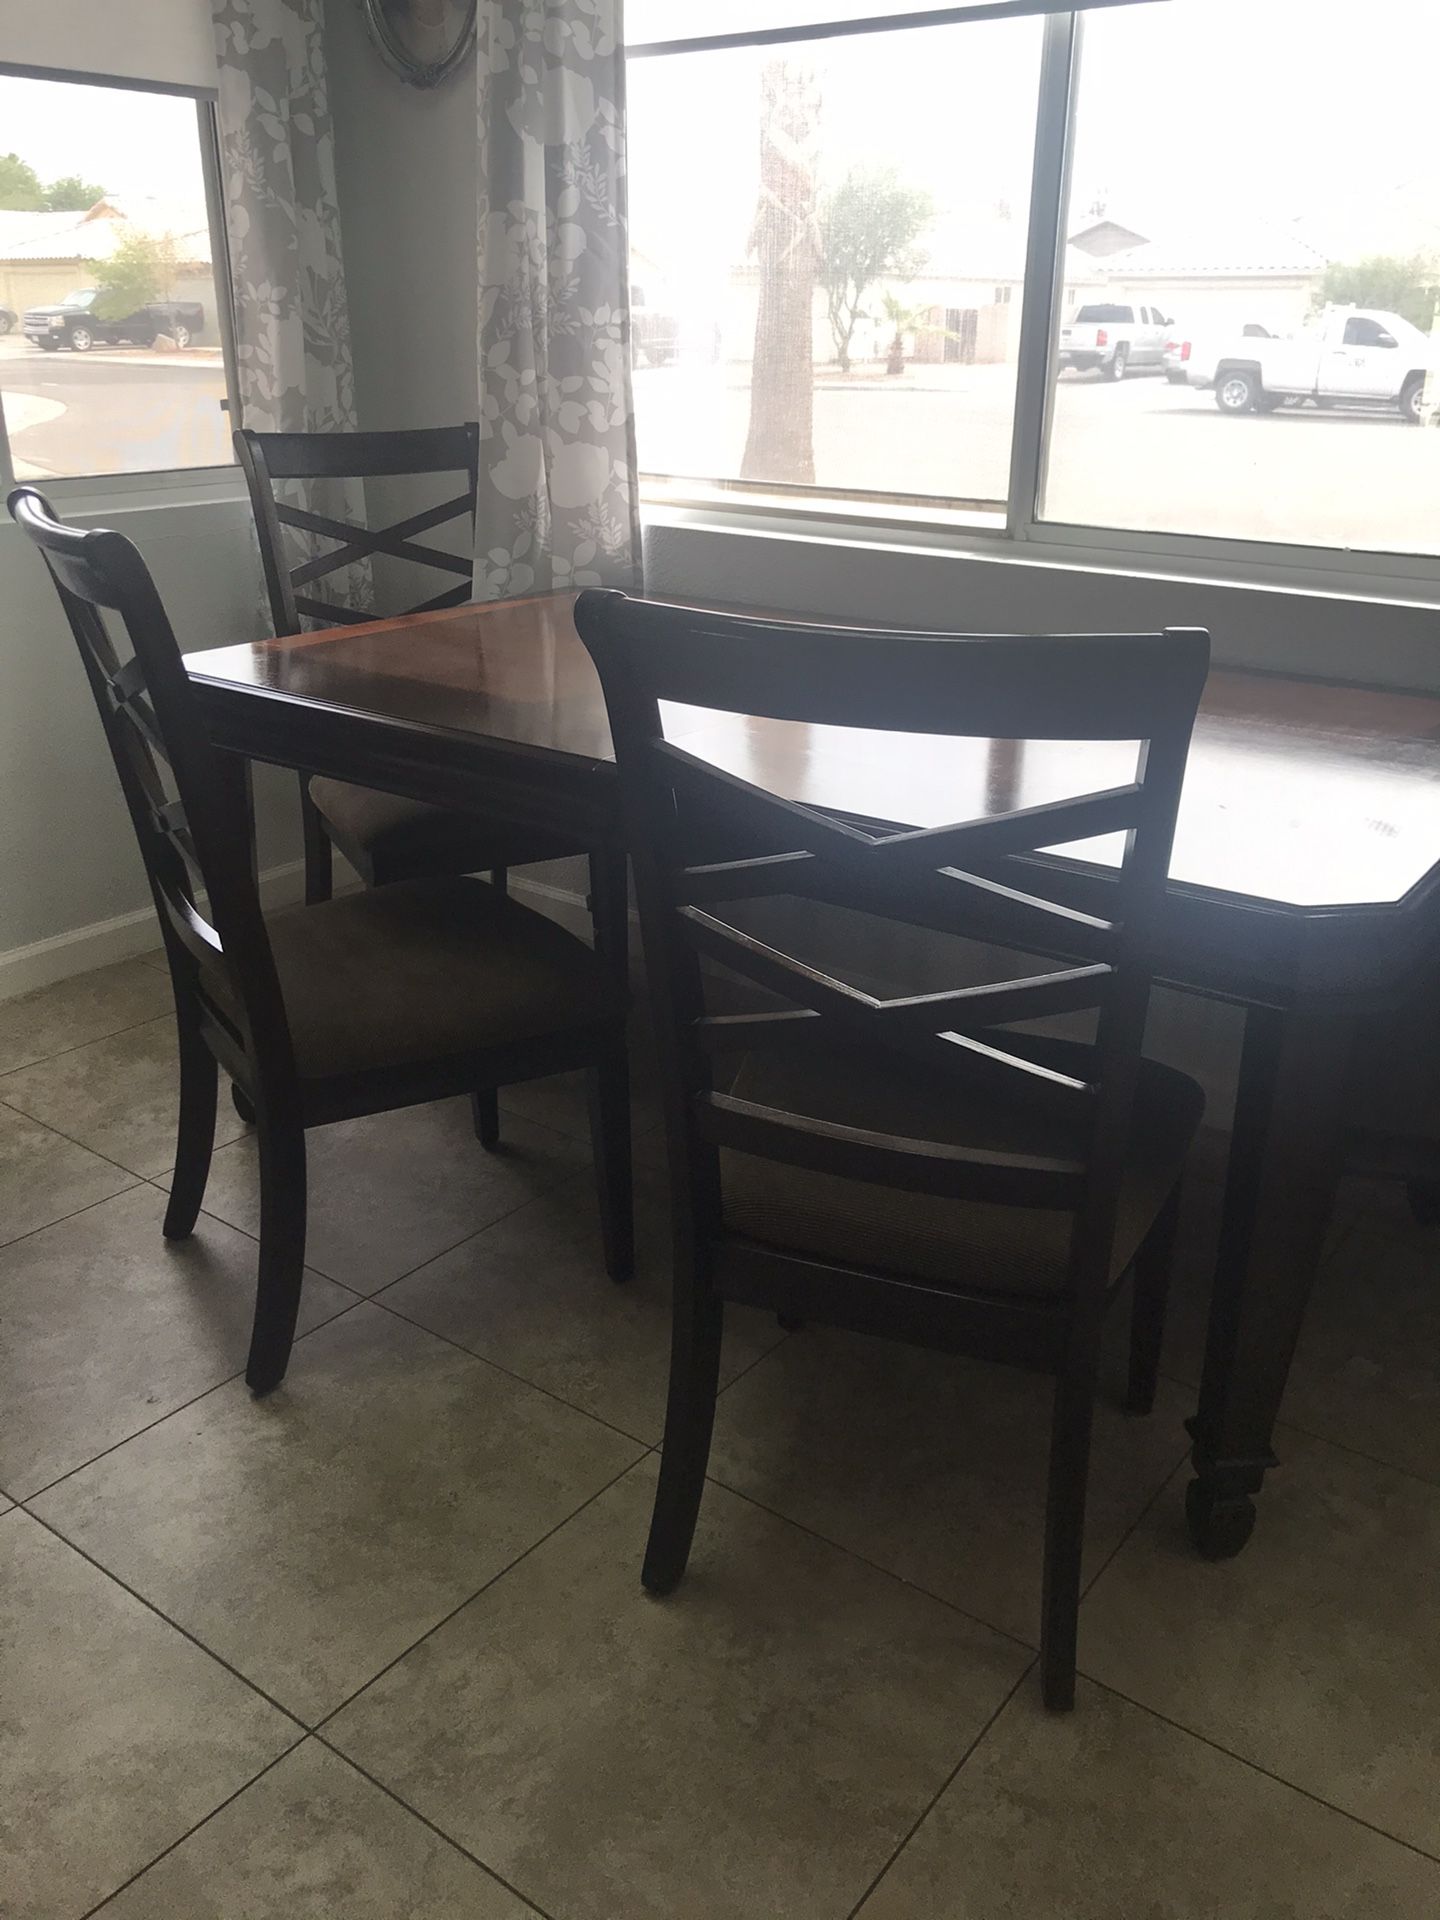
(382, 835)
(381, 999)
(915, 1166)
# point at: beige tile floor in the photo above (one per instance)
(377, 1646)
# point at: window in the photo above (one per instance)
(1318, 196)
(828, 234)
(112, 338)
(831, 216)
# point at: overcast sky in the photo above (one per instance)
(127, 142)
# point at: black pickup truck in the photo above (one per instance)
(75, 324)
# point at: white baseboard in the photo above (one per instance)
(43, 962)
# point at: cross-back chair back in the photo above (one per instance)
(269, 460)
(958, 879)
(194, 844)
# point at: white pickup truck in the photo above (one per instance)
(1351, 356)
(1113, 337)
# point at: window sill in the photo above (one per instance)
(1372, 579)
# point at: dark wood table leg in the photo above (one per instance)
(1285, 1160)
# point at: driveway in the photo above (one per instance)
(123, 410)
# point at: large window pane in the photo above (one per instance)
(110, 349)
(1251, 276)
(828, 252)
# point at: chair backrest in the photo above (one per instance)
(270, 458)
(195, 846)
(959, 879)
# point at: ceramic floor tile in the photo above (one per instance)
(1313, 1653)
(531, 1294)
(118, 1733)
(755, 1744)
(930, 1465)
(1109, 1814)
(44, 1177)
(310, 1537)
(313, 1840)
(108, 1326)
(392, 1191)
(559, 1101)
(119, 1097)
(88, 1006)
(1366, 1373)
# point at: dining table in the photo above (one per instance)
(1304, 884)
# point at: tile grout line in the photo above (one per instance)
(184, 1632)
(326, 1718)
(194, 1400)
(230, 1798)
(943, 1788)
(95, 1040)
(1254, 1766)
(439, 1832)
(137, 1180)
(874, 1566)
(60, 1134)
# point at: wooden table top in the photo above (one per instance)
(1301, 793)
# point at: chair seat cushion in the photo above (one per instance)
(396, 837)
(426, 970)
(971, 1246)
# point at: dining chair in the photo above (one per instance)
(383, 836)
(383, 998)
(912, 1166)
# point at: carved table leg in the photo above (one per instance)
(1279, 1192)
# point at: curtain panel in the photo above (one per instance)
(558, 503)
(277, 169)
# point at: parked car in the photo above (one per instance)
(75, 324)
(1113, 337)
(1352, 356)
(654, 331)
(8, 319)
(1191, 361)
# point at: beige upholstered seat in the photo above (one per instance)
(425, 970)
(969, 1245)
(395, 838)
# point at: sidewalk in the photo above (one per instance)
(14, 346)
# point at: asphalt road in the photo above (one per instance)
(1142, 454)
(103, 415)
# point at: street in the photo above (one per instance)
(1142, 454)
(115, 410)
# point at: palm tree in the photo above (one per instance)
(904, 320)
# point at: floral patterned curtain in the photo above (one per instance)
(277, 166)
(558, 502)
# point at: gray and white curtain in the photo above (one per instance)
(277, 165)
(558, 502)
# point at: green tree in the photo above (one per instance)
(868, 229)
(20, 188)
(140, 270)
(1407, 284)
(72, 194)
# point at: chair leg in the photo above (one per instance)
(608, 1085)
(282, 1250)
(1153, 1266)
(199, 1090)
(485, 1112)
(319, 856)
(689, 1420)
(1065, 1532)
(242, 1104)
(500, 879)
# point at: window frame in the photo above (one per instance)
(200, 482)
(1019, 531)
